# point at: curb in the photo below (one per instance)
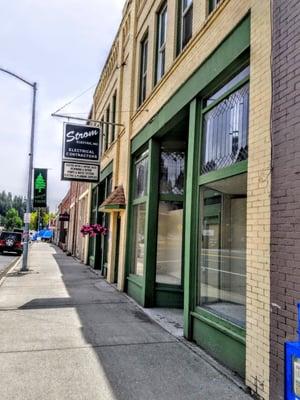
(9, 268)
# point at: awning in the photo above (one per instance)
(115, 201)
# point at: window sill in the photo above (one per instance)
(222, 173)
(109, 149)
(210, 13)
(168, 287)
(179, 58)
(136, 279)
(226, 327)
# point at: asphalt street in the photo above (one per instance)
(5, 260)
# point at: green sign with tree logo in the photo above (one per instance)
(40, 188)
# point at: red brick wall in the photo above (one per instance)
(285, 201)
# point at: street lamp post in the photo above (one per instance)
(30, 168)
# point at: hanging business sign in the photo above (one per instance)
(64, 217)
(72, 171)
(81, 143)
(40, 188)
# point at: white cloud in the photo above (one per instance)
(62, 44)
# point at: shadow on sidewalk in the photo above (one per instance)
(140, 360)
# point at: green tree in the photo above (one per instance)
(33, 220)
(19, 204)
(47, 217)
(8, 201)
(12, 219)
(2, 220)
(40, 183)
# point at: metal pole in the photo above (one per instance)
(86, 120)
(39, 217)
(29, 187)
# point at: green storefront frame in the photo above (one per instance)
(220, 337)
(95, 242)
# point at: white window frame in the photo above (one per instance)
(161, 42)
(143, 70)
(184, 11)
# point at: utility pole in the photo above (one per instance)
(30, 168)
(39, 217)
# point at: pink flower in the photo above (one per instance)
(93, 229)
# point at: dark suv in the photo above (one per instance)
(11, 241)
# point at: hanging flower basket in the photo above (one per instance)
(93, 230)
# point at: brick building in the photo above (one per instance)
(192, 185)
(76, 204)
(61, 230)
(285, 204)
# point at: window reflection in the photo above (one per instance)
(223, 248)
(226, 132)
(172, 172)
(229, 85)
(141, 175)
(139, 213)
(169, 243)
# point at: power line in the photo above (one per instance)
(75, 98)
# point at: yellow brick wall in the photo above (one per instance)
(258, 212)
(119, 79)
(119, 152)
(211, 32)
(147, 22)
(208, 34)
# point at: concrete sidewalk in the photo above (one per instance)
(67, 334)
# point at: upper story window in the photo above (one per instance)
(161, 42)
(143, 70)
(212, 4)
(141, 175)
(225, 124)
(107, 128)
(185, 23)
(113, 116)
(103, 135)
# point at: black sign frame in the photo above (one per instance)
(40, 187)
(81, 143)
(63, 178)
(64, 217)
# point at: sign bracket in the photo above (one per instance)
(86, 120)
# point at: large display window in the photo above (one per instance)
(223, 200)
(140, 173)
(223, 248)
(170, 217)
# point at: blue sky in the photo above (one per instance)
(62, 45)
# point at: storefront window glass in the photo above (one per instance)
(223, 248)
(172, 172)
(141, 175)
(139, 213)
(225, 131)
(228, 86)
(169, 243)
(106, 188)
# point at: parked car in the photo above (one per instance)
(11, 242)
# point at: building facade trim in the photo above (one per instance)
(229, 52)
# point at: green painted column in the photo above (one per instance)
(191, 217)
(151, 224)
(128, 238)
